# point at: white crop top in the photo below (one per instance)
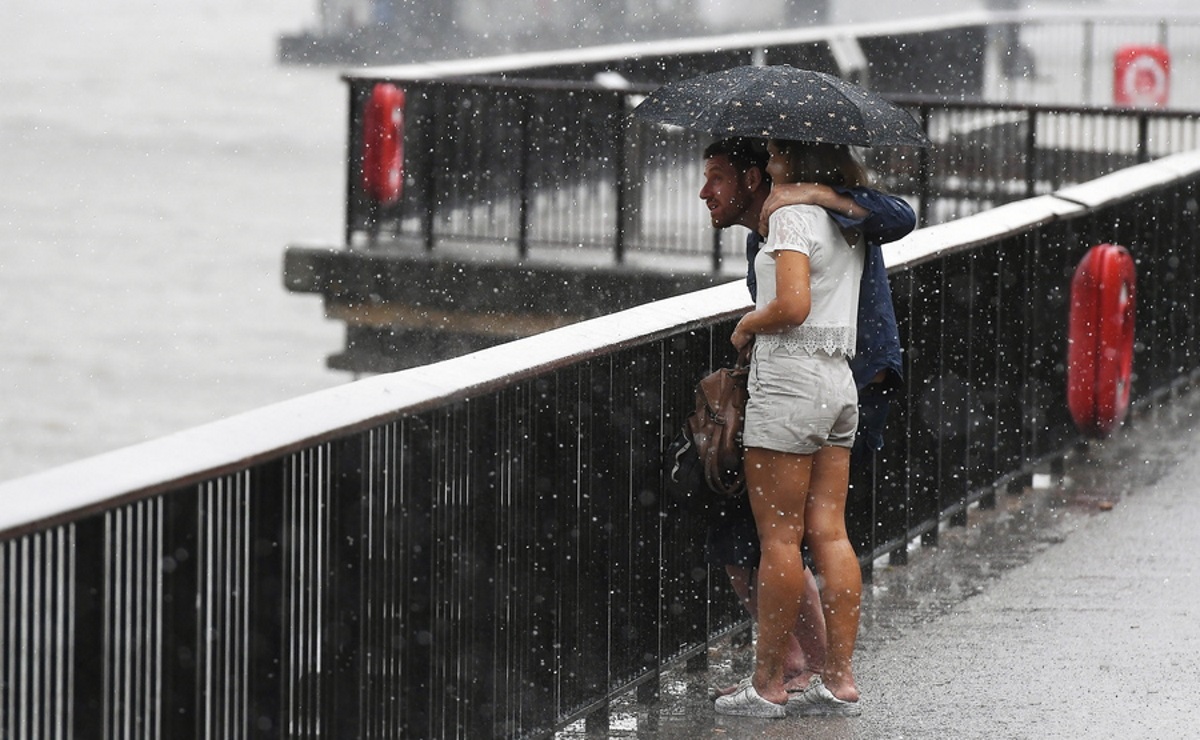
(835, 271)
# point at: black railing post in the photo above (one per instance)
(927, 363)
(415, 484)
(343, 709)
(89, 702)
(1031, 162)
(353, 157)
(620, 176)
(264, 702)
(924, 173)
(523, 179)
(181, 661)
(962, 463)
(1029, 286)
(1143, 145)
(428, 175)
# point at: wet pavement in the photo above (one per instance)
(1070, 610)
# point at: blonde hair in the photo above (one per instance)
(828, 164)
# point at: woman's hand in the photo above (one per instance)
(740, 337)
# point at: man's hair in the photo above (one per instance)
(742, 152)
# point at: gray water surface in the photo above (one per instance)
(155, 160)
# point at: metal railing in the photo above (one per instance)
(482, 547)
(527, 153)
(558, 177)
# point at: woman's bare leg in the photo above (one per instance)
(777, 485)
(805, 654)
(837, 564)
(744, 581)
(808, 653)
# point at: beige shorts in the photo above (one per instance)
(800, 403)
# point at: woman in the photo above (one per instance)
(800, 425)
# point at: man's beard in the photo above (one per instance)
(725, 217)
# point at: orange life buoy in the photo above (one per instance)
(383, 144)
(1100, 340)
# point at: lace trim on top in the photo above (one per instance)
(830, 340)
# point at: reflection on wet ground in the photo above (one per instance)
(1095, 479)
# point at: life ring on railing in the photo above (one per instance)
(383, 144)
(1100, 340)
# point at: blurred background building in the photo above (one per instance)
(393, 31)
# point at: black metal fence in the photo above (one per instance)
(482, 547)
(523, 165)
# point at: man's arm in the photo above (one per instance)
(881, 217)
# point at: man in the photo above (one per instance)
(737, 191)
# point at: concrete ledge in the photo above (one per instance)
(394, 303)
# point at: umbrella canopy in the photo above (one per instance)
(782, 102)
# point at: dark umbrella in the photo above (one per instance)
(782, 102)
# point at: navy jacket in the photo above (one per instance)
(878, 345)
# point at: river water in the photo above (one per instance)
(155, 160)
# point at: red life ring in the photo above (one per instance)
(383, 144)
(1100, 340)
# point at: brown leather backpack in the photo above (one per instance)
(715, 427)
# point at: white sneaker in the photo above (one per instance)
(745, 702)
(818, 700)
